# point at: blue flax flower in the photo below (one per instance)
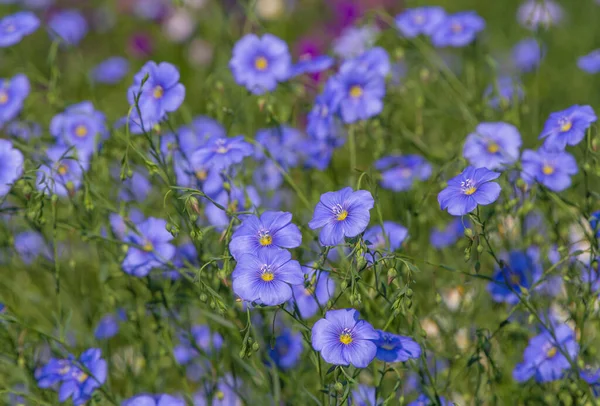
(266, 277)
(595, 223)
(424, 400)
(136, 188)
(287, 349)
(458, 30)
(63, 172)
(322, 121)
(77, 384)
(315, 293)
(224, 393)
(343, 339)
(25, 130)
(421, 20)
(204, 339)
(260, 63)
(13, 92)
(389, 238)
(161, 92)
(520, 271)
(375, 60)
(527, 55)
(30, 245)
(55, 371)
(551, 169)
(282, 142)
(80, 126)
(567, 127)
(319, 151)
(363, 396)
(221, 152)
(70, 26)
(533, 14)
(504, 93)
(108, 326)
(273, 230)
(399, 172)
(592, 378)
(312, 64)
(472, 187)
(154, 400)
(11, 166)
(353, 41)
(444, 237)
(396, 348)
(152, 247)
(493, 145)
(111, 70)
(340, 214)
(16, 26)
(359, 92)
(542, 358)
(238, 199)
(590, 63)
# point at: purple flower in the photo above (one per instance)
(590, 63)
(527, 54)
(110, 71)
(259, 63)
(154, 400)
(567, 127)
(318, 290)
(542, 358)
(69, 26)
(447, 236)
(551, 169)
(80, 126)
(395, 348)
(520, 270)
(238, 199)
(53, 372)
(319, 151)
(493, 146)
(220, 153)
(266, 277)
(11, 166)
(273, 230)
(375, 60)
(204, 339)
(108, 326)
(25, 130)
(135, 188)
(160, 93)
(457, 30)
(595, 223)
(283, 142)
(424, 400)
(29, 245)
(394, 235)
(224, 393)
(15, 26)
(152, 247)
(322, 119)
(77, 384)
(13, 93)
(504, 93)
(399, 172)
(353, 41)
(312, 64)
(472, 187)
(343, 339)
(421, 20)
(592, 378)
(340, 214)
(287, 350)
(268, 176)
(63, 172)
(359, 92)
(533, 14)
(363, 396)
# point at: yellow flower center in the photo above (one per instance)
(515, 279)
(548, 170)
(493, 148)
(158, 92)
(456, 27)
(201, 175)
(356, 91)
(148, 247)
(419, 19)
(64, 370)
(342, 215)
(566, 126)
(405, 172)
(3, 97)
(219, 395)
(81, 131)
(267, 276)
(82, 377)
(470, 191)
(62, 170)
(551, 352)
(308, 291)
(265, 240)
(261, 63)
(345, 338)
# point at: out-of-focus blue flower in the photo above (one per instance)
(322, 119)
(236, 200)
(273, 230)
(119, 224)
(11, 166)
(259, 63)
(24, 130)
(396, 348)
(108, 326)
(520, 271)
(312, 64)
(374, 60)
(457, 30)
(224, 393)
(493, 146)
(590, 63)
(320, 151)
(543, 360)
(150, 9)
(504, 93)
(185, 257)
(360, 92)
(186, 353)
(447, 236)
(16, 26)
(160, 93)
(63, 172)
(472, 187)
(399, 172)
(527, 54)
(80, 126)
(390, 238)
(287, 350)
(567, 127)
(340, 214)
(424, 400)
(421, 20)
(268, 176)
(266, 277)
(154, 400)
(592, 378)
(595, 223)
(282, 142)
(29, 245)
(55, 370)
(13, 92)
(343, 339)
(319, 289)
(220, 153)
(136, 188)
(533, 14)
(189, 138)
(111, 70)
(69, 26)
(363, 396)
(551, 169)
(152, 248)
(353, 41)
